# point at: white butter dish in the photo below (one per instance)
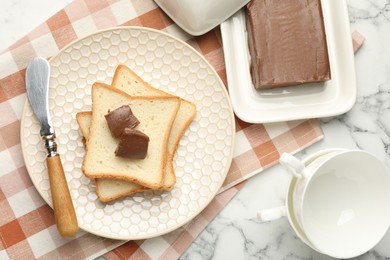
(310, 100)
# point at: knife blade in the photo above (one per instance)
(37, 87)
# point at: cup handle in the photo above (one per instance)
(271, 214)
(292, 164)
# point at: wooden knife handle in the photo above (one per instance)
(64, 213)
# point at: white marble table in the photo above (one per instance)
(235, 233)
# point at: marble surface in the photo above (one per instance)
(236, 233)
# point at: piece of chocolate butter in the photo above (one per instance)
(287, 42)
(119, 119)
(133, 144)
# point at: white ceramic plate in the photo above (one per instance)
(200, 16)
(330, 98)
(204, 153)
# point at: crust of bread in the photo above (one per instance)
(171, 154)
(79, 118)
(186, 125)
(147, 85)
(119, 195)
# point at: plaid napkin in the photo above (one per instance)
(27, 227)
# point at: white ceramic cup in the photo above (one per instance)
(338, 203)
(288, 210)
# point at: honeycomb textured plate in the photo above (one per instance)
(202, 158)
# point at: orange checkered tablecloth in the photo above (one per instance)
(27, 228)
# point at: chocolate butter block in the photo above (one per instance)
(133, 144)
(119, 119)
(287, 42)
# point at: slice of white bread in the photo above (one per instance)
(128, 81)
(156, 115)
(107, 189)
(111, 189)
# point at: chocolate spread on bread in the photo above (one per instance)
(119, 119)
(287, 42)
(133, 144)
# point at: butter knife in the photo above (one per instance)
(37, 86)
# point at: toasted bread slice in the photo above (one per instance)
(107, 189)
(128, 81)
(156, 115)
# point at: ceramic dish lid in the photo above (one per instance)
(197, 17)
